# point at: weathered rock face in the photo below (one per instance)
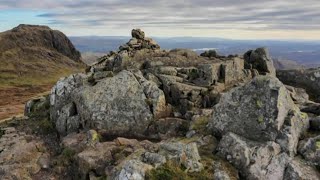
(255, 160)
(310, 149)
(120, 105)
(182, 100)
(259, 111)
(259, 59)
(186, 154)
(117, 105)
(62, 108)
(308, 79)
(298, 169)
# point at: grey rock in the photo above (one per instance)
(254, 160)
(68, 120)
(310, 149)
(309, 79)
(298, 169)
(61, 92)
(315, 123)
(133, 170)
(167, 70)
(259, 59)
(102, 75)
(95, 158)
(137, 33)
(154, 159)
(186, 154)
(221, 175)
(44, 161)
(155, 97)
(37, 106)
(298, 95)
(259, 111)
(117, 105)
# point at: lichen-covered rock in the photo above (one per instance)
(259, 59)
(310, 149)
(185, 154)
(133, 170)
(61, 101)
(298, 169)
(154, 159)
(258, 111)
(298, 95)
(38, 105)
(254, 159)
(308, 79)
(95, 158)
(121, 105)
(117, 105)
(155, 96)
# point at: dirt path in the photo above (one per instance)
(13, 99)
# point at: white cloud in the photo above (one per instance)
(184, 16)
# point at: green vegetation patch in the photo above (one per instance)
(173, 171)
(318, 145)
(200, 123)
(260, 119)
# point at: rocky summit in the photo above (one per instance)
(145, 113)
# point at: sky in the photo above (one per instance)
(233, 19)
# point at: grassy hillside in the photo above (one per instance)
(32, 59)
(34, 66)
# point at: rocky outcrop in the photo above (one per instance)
(146, 113)
(308, 79)
(298, 169)
(310, 149)
(260, 60)
(262, 110)
(255, 160)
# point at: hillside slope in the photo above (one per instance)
(32, 58)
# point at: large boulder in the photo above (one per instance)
(254, 160)
(259, 59)
(310, 149)
(262, 110)
(137, 33)
(184, 154)
(308, 79)
(117, 105)
(121, 105)
(299, 170)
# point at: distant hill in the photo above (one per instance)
(283, 64)
(35, 55)
(32, 59)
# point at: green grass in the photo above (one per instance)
(173, 171)
(22, 68)
(200, 124)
